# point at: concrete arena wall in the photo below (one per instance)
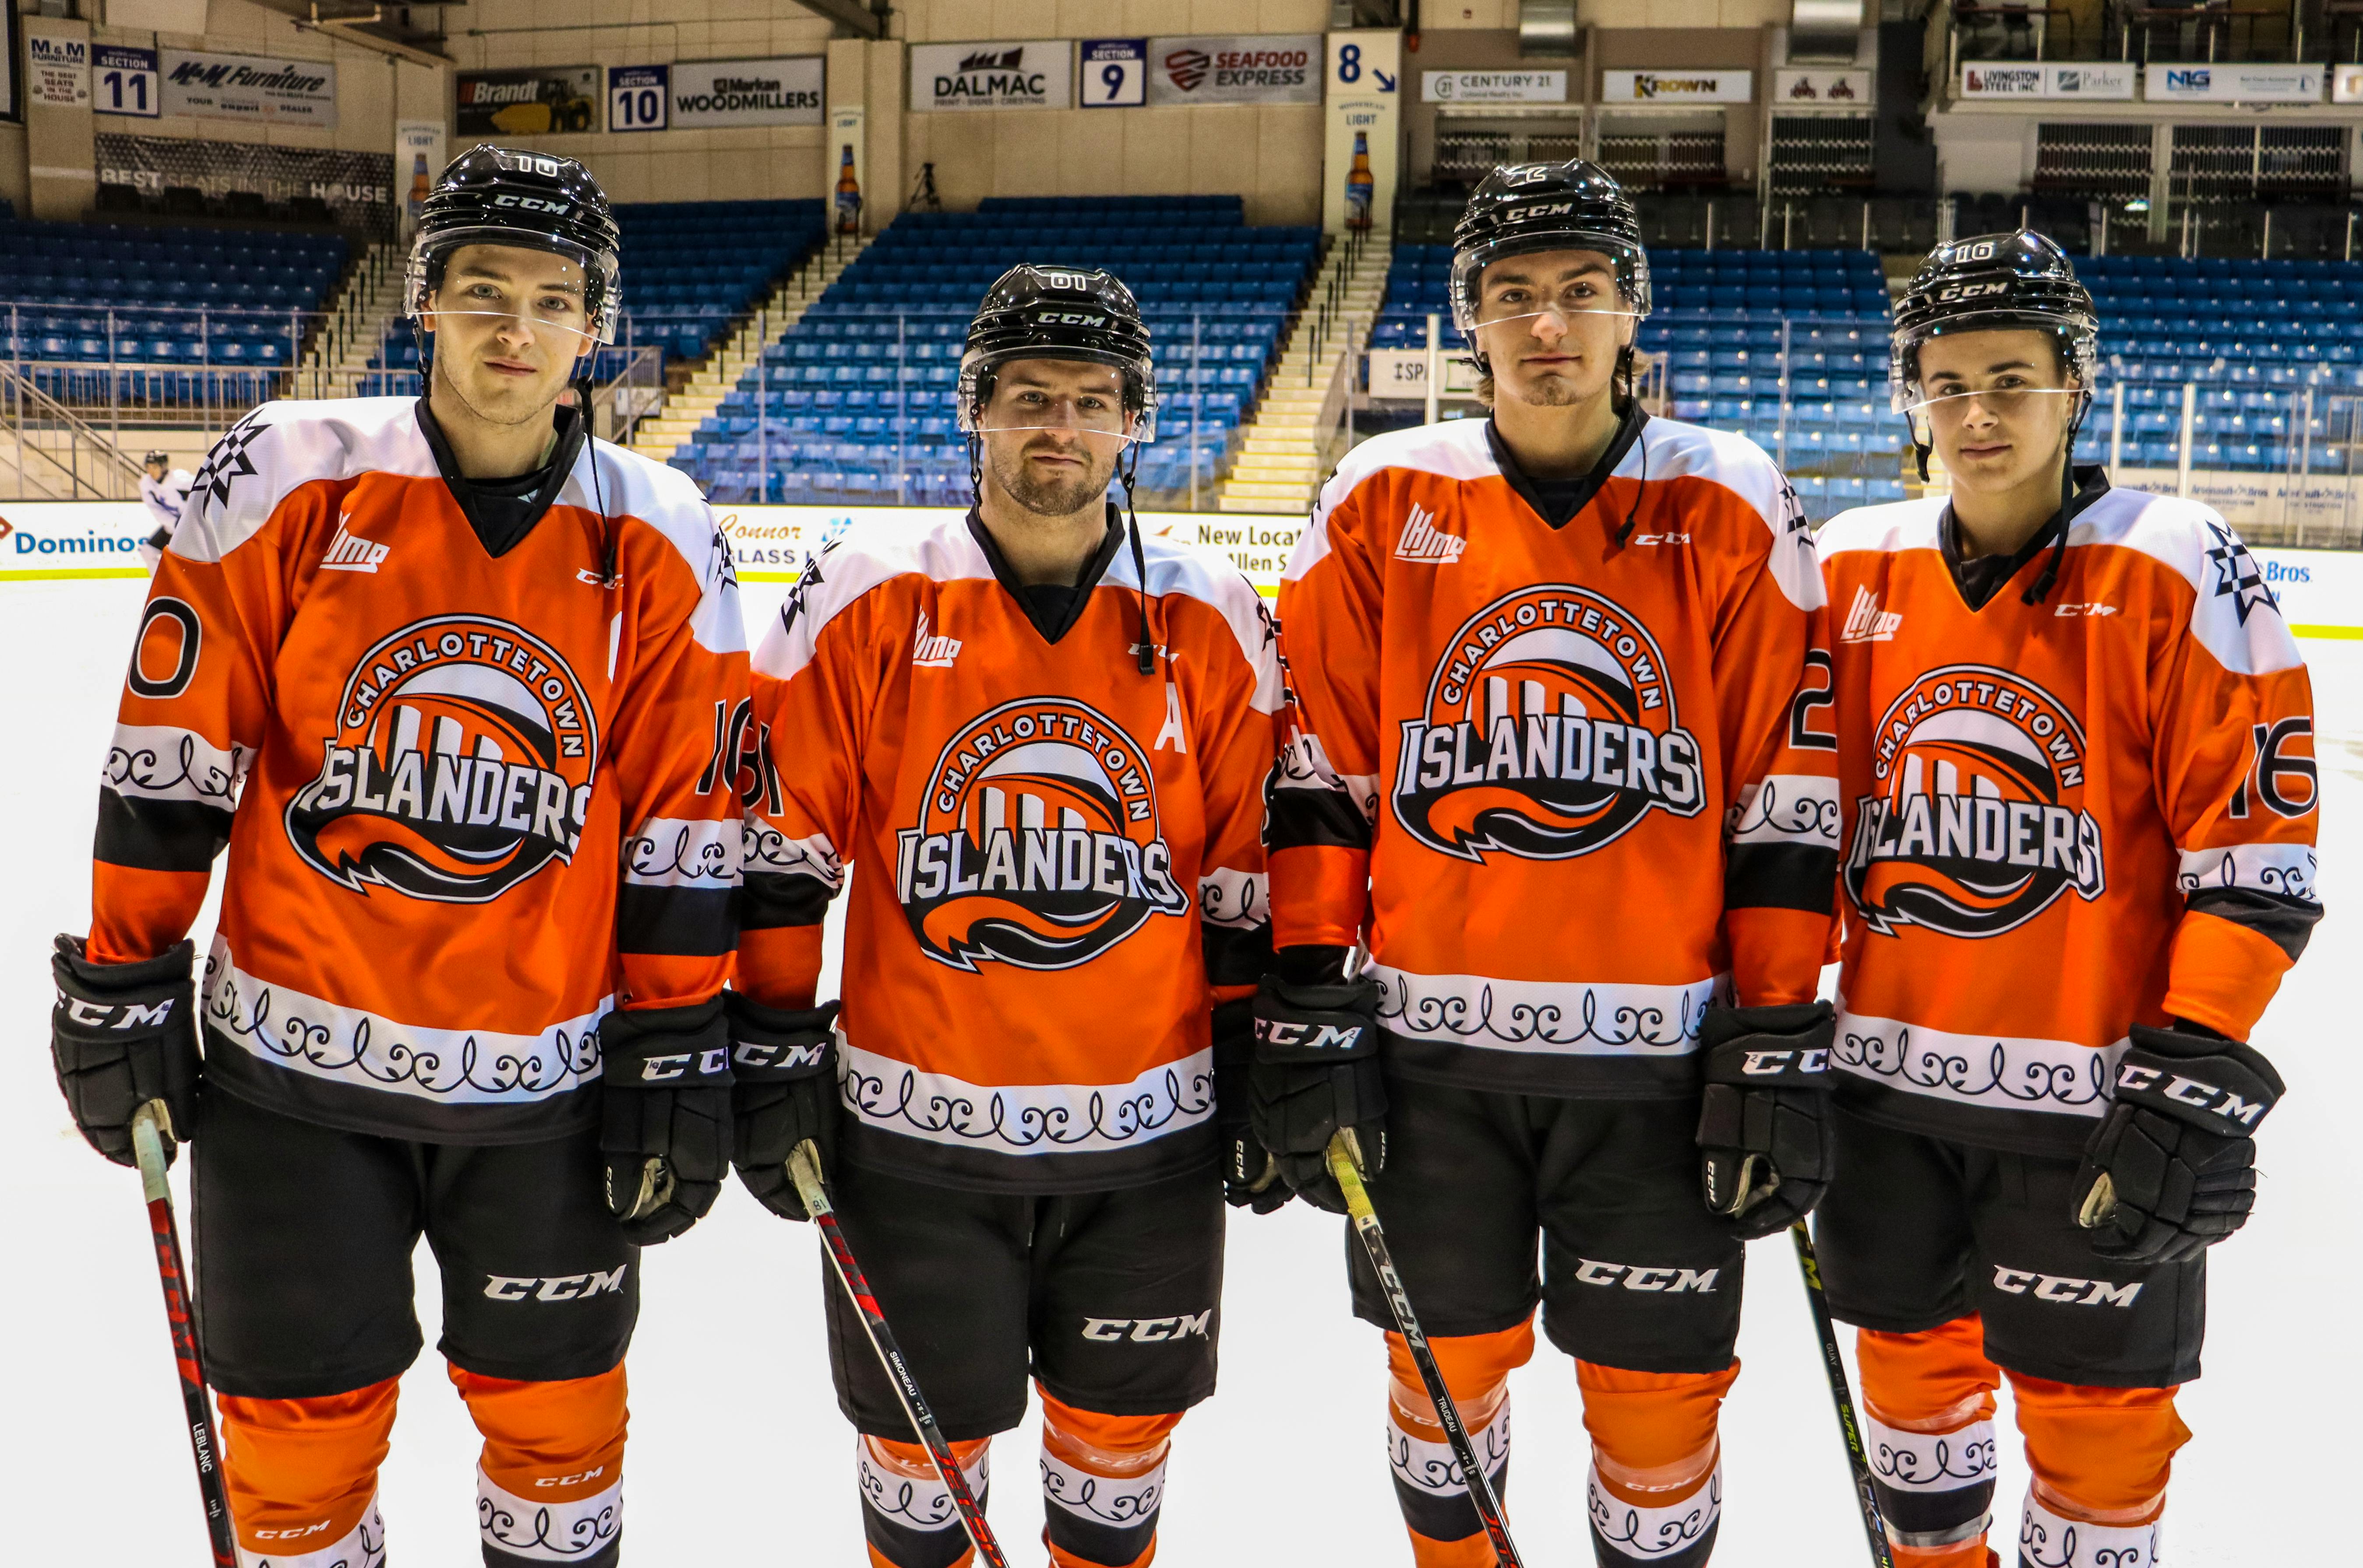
(2321, 591)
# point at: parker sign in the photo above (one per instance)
(1036, 74)
(1251, 68)
(785, 91)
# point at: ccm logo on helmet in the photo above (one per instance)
(2060, 1288)
(1308, 1036)
(1148, 1330)
(1540, 209)
(1070, 318)
(561, 1288)
(1970, 291)
(677, 1065)
(534, 204)
(2195, 1093)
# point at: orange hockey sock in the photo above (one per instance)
(2101, 1458)
(1928, 1407)
(1656, 1469)
(907, 1513)
(1103, 1482)
(550, 1481)
(1429, 1486)
(301, 1474)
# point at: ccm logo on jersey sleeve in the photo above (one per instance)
(1977, 827)
(558, 1287)
(1550, 731)
(1038, 844)
(462, 765)
(2063, 1290)
(1148, 1330)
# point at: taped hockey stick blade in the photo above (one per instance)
(2099, 1203)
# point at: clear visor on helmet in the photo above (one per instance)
(2004, 382)
(1566, 276)
(1096, 409)
(556, 294)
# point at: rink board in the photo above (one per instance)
(2321, 591)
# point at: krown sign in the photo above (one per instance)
(1036, 74)
(1677, 86)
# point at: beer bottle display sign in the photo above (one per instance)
(1358, 183)
(849, 193)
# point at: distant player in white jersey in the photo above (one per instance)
(164, 490)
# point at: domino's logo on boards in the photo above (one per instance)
(73, 550)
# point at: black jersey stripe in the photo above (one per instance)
(160, 835)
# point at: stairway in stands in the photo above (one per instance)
(365, 310)
(684, 411)
(1282, 456)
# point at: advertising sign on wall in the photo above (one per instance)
(2109, 80)
(707, 93)
(1403, 372)
(2346, 85)
(125, 82)
(1036, 74)
(637, 97)
(60, 71)
(358, 187)
(417, 159)
(247, 87)
(1493, 87)
(848, 159)
(1116, 74)
(1823, 90)
(1253, 68)
(1677, 86)
(2234, 84)
(1364, 117)
(537, 101)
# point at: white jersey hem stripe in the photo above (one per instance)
(890, 1096)
(1997, 1071)
(1543, 1017)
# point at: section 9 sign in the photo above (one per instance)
(1116, 74)
(639, 97)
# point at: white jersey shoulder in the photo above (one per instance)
(2234, 614)
(844, 570)
(283, 446)
(1454, 449)
(1885, 528)
(617, 484)
(1670, 449)
(1203, 573)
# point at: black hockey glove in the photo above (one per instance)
(784, 1062)
(2172, 1169)
(1316, 1072)
(121, 1035)
(1764, 1127)
(667, 1127)
(1251, 1176)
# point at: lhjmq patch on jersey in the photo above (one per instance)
(462, 765)
(1978, 827)
(1039, 845)
(1549, 731)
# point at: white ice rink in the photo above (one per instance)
(738, 1452)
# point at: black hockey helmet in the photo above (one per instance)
(163, 457)
(1993, 283)
(1038, 311)
(1525, 207)
(499, 195)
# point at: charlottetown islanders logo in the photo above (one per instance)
(462, 765)
(1974, 829)
(1039, 845)
(1549, 730)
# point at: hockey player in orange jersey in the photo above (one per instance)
(448, 678)
(1038, 742)
(2076, 760)
(1552, 759)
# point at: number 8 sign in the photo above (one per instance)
(1114, 74)
(639, 97)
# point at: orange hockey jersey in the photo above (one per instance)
(472, 803)
(2063, 818)
(1569, 789)
(1059, 855)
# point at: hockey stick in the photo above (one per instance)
(803, 1169)
(147, 1143)
(1842, 1398)
(1344, 1166)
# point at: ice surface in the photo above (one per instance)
(738, 1454)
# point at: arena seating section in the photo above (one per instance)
(78, 297)
(688, 268)
(1717, 319)
(859, 393)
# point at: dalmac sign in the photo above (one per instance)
(1036, 74)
